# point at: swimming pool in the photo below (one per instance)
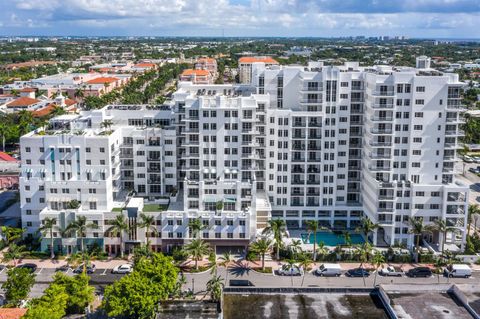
(331, 239)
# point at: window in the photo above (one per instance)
(420, 89)
(88, 150)
(419, 102)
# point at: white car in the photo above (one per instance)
(122, 269)
(290, 271)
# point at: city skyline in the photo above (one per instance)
(415, 19)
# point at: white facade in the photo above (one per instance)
(323, 143)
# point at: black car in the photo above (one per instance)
(241, 283)
(419, 272)
(90, 269)
(31, 267)
(357, 272)
(63, 268)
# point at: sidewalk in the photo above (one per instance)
(48, 263)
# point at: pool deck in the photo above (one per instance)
(297, 235)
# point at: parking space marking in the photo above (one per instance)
(3, 270)
(40, 271)
(104, 272)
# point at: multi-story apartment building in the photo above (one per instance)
(197, 76)
(326, 143)
(245, 66)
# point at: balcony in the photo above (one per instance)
(314, 159)
(381, 118)
(380, 144)
(311, 101)
(381, 131)
(298, 159)
(314, 124)
(313, 182)
(379, 168)
(298, 182)
(382, 106)
(383, 93)
(380, 155)
(299, 124)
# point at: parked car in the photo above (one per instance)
(122, 269)
(240, 283)
(90, 269)
(391, 271)
(285, 270)
(474, 170)
(467, 159)
(63, 268)
(31, 267)
(476, 159)
(458, 270)
(419, 272)
(357, 272)
(333, 270)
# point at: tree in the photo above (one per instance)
(347, 238)
(261, 246)
(118, 227)
(322, 249)
(472, 210)
(366, 227)
(439, 264)
(5, 130)
(363, 252)
(147, 222)
(14, 253)
(417, 228)
(49, 225)
(106, 124)
(296, 247)
(378, 260)
(12, 234)
(440, 225)
(137, 295)
(312, 227)
(80, 227)
(464, 151)
(290, 265)
(18, 285)
(195, 226)
(25, 121)
(197, 249)
(226, 259)
(304, 262)
(52, 305)
(80, 293)
(214, 288)
(276, 228)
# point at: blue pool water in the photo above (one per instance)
(331, 239)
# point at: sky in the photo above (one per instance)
(287, 18)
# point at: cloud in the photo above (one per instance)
(243, 17)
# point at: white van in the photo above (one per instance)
(333, 270)
(458, 270)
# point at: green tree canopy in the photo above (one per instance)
(18, 285)
(136, 295)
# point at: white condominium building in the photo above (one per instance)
(326, 143)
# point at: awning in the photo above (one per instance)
(213, 170)
(230, 199)
(209, 200)
(206, 170)
(227, 171)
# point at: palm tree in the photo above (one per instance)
(377, 261)
(417, 228)
(195, 226)
(196, 249)
(14, 253)
(226, 259)
(5, 129)
(74, 260)
(25, 121)
(347, 238)
(464, 151)
(366, 227)
(322, 250)
(148, 223)
(472, 211)
(261, 246)
(439, 264)
(276, 227)
(363, 253)
(118, 227)
(106, 124)
(214, 288)
(440, 225)
(290, 265)
(296, 247)
(304, 262)
(80, 228)
(212, 262)
(86, 258)
(312, 227)
(49, 224)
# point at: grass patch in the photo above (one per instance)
(117, 210)
(267, 270)
(193, 270)
(148, 208)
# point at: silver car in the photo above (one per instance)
(290, 271)
(122, 269)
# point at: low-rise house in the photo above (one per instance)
(197, 76)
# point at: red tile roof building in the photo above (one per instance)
(12, 313)
(197, 76)
(245, 66)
